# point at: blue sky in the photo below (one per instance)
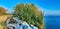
(49, 7)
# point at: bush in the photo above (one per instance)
(29, 13)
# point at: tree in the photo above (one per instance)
(29, 13)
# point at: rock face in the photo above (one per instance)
(18, 24)
(15, 23)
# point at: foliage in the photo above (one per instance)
(2, 23)
(29, 13)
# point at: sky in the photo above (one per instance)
(48, 7)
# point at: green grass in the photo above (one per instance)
(2, 23)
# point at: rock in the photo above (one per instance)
(19, 24)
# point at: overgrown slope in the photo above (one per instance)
(29, 13)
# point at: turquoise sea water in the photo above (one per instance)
(52, 22)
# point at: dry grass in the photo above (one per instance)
(3, 18)
(2, 27)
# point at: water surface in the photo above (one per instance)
(52, 22)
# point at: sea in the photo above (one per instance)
(52, 22)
